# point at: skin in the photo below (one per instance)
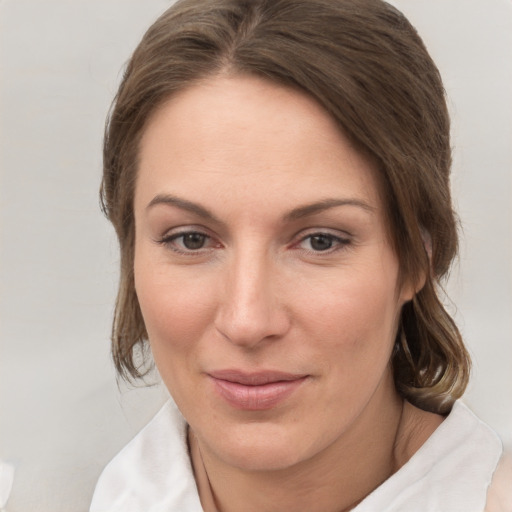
(256, 293)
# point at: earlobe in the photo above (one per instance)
(413, 286)
(418, 284)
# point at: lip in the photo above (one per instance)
(255, 391)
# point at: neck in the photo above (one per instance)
(334, 480)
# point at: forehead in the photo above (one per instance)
(253, 139)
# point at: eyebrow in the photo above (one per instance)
(183, 204)
(295, 214)
(325, 204)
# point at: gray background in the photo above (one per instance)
(62, 415)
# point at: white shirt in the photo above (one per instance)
(451, 472)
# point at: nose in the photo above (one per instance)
(251, 310)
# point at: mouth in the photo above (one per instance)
(255, 391)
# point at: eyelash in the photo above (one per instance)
(168, 241)
(338, 243)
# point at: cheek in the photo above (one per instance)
(357, 304)
(176, 311)
(354, 321)
(354, 331)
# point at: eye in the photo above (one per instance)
(188, 242)
(322, 242)
(193, 241)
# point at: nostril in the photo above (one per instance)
(250, 309)
(249, 324)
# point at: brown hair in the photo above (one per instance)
(365, 63)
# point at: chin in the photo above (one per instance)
(261, 447)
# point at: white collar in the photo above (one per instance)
(450, 472)
(152, 473)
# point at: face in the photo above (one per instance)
(264, 272)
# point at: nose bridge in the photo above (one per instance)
(250, 309)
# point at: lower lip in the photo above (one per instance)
(256, 398)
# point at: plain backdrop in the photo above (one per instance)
(62, 414)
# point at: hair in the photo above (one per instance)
(367, 66)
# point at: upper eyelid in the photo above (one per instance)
(183, 230)
(336, 233)
(327, 235)
(174, 236)
(175, 232)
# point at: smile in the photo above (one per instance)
(255, 391)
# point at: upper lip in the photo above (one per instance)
(256, 378)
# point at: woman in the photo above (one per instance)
(277, 172)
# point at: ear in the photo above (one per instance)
(411, 287)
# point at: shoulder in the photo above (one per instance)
(447, 468)
(499, 495)
(137, 479)
(460, 432)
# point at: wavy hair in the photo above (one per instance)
(367, 66)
